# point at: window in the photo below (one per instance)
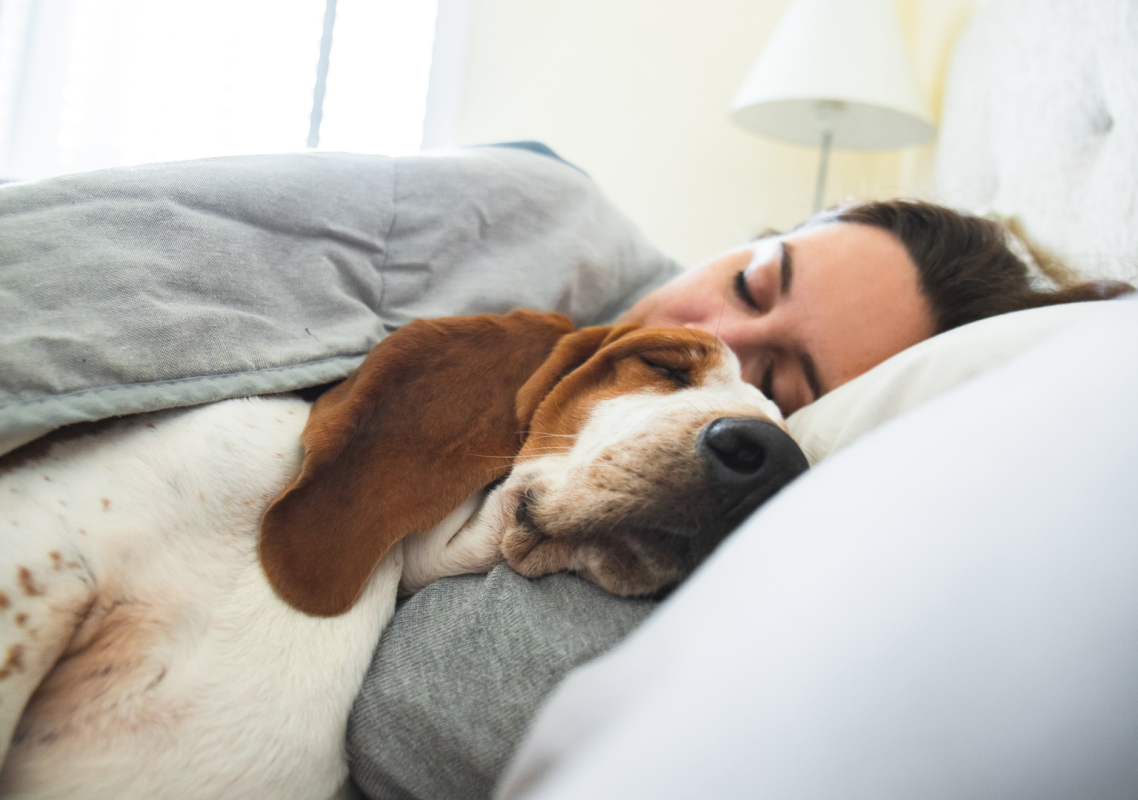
(86, 84)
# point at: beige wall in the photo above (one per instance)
(636, 93)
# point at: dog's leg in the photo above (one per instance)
(46, 589)
(465, 542)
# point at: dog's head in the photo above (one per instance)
(630, 453)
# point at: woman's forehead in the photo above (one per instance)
(858, 294)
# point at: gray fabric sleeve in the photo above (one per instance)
(462, 670)
(139, 288)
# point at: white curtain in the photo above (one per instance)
(86, 84)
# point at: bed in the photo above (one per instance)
(945, 606)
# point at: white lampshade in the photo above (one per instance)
(844, 56)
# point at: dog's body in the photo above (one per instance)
(153, 624)
(172, 655)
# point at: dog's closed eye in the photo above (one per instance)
(680, 376)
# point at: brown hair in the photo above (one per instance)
(967, 269)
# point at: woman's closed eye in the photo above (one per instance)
(762, 282)
(742, 292)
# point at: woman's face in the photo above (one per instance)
(804, 312)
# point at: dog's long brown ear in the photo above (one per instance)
(426, 420)
(571, 352)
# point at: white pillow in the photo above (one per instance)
(922, 372)
(944, 610)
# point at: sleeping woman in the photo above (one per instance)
(807, 311)
(466, 663)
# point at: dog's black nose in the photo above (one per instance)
(735, 446)
(748, 460)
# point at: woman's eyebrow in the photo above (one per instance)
(786, 267)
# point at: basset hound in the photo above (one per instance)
(189, 599)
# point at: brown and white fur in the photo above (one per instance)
(189, 599)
